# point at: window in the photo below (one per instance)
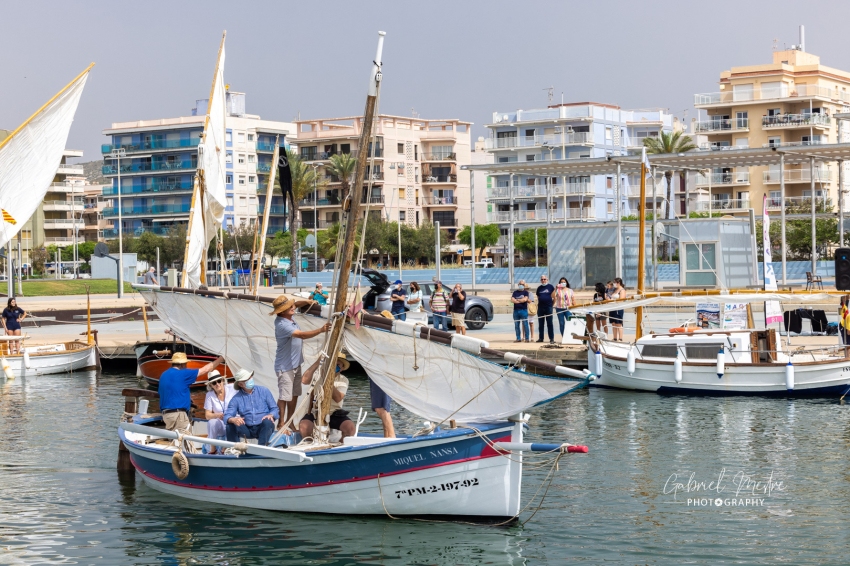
(240, 137)
(401, 194)
(401, 148)
(416, 153)
(530, 157)
(228, 158)
(742, 143)
(609, 133)
(700, 264)
(252, 179)
(228, 137)
(741, 120)
(229, 179)
(401, 216)
(230, 202)
(774, 111)
(241, 179)
(775, 141)
(250, 137)
(252, 158)
(241, 158)
(609, 182)
(610, 207)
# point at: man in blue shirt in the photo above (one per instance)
(399, 298)
(544, 308)
(252, 411)
(174, 400)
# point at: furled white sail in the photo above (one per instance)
(31, 154)
(210, 199)
(449, 383)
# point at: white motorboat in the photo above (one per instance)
(44, 359)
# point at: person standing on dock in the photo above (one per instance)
(174, 399)
(544, 309)
(398, 298)
(458, 309)
(520, 300)
(439, 304)
(12, 316)
(289, 357)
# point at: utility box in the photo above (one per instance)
(107, 268)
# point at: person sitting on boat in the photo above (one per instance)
(174, 383)
(288, 357)
(339, 419)
(319, 295)
(12, 317)
(219, 394)
(252, 411)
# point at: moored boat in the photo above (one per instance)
(45, 359)
(154, 357)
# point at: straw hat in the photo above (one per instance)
(281, 304)
(342, 362)
(179, 358)
(387, 314)
(214, 376)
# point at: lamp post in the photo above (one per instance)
(118, 154)
(315, 216)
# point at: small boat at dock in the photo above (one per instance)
(45, 359)
(154, 357)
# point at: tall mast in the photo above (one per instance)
(351, 214)
(641, 243)
(198, 192)
(267, 210)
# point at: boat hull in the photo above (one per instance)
(152, 365)
(76, 356)
(454, 473)
(811, 379)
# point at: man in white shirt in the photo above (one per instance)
(339, 419)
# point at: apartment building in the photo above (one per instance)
(788, 102)
(160, 160)
(416, 175)
(565, 131)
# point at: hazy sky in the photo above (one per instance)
(456, 59)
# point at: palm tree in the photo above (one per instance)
(672, 142)
(304, 182)
(342, 166)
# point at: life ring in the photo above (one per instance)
(180, 465)
(682, 330)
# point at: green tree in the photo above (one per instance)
(342, 166)
(146, 245)
(524, 241)
(38, 257)
(486, 235)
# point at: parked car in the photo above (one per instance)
(479, 310)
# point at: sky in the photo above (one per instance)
(460, 59)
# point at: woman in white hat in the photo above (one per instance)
(219, 394)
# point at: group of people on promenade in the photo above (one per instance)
(444, 305)
(614, 289)
(246, 409)
(546, 303)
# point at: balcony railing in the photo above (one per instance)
(63, 204)
(308, 202)
(144, 210)
(445, 222)
(265, 147)
(795, 120)
(374, 199)
(143, 167)
(274, 209)
(722, 125)
(793, 202)
(783, 92)
(152, 145)
(720, 179)
(721, 205)
(439, 156)
(309, 224)
(58, 223)
(264, 167)
(439, 201)
(158, 230)
(798, 175)
(153, 188)
(438, 179)
(548, 140)
(794, 143)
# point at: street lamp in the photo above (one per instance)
(118, 154)
(315, 216)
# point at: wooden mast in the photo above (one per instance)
(199, 180)
(268, 208)
(641, 244)
(351, 214)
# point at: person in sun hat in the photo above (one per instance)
(398, 298)
(252, 411)
(288, 356)
(219, 394)
(174, 383)
(339, 419)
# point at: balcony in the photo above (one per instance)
(147, 210)
(65, 169)
(161, 167)
(794, 143)
(59, 241)
(789, 121)
(439, 156)
(432, 179)
(720, 126)
(804, 203)
(265, 147)
(308, 224)
(725, 205)
(62, 224)
(784, 92)
(798, 175)
(63, 188)
(308, 202)
(264, 167)
(439, 201)
(153, 188)
(550, 140)
(723, 179)
(63, 205)
(158, 230)
(374, 199)
(445, 222)
(576, 213)
(543, 114)
(279, 210)
(152, 145)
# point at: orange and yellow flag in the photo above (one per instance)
(8, 217)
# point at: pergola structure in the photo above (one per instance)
(779, 155)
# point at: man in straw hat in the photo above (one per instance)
(174, 383)
(339, 419)
(289, 357)
(252, 411)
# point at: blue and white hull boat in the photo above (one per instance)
(467, 471)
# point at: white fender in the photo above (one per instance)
(599, 364)
(630, 362)
(26, 359)
(7, 369)
(789, 376)
(721, 363)
(677, 368)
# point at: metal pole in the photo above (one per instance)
(437, 247)
(782, 214)
(709, 193)
(398, 235)
(116, 153)
(549, 202)
(20, 260)
(9, 282)
(536, 255)
(74, 227)
(316, 218)
(510, 249)
(472, 222)
(840, 203)
(654, 232)
(814, 241)
(619, 263)
(158, 272)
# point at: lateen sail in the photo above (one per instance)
(30, 156)
(208, 212)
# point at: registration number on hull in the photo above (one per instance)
(449, 486)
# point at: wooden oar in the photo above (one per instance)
(256, 450)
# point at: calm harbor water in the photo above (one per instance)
(62, 501)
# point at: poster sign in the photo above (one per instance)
(735, 316)
(708, 315)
